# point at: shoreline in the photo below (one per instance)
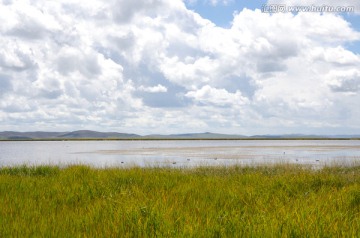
(177, 139)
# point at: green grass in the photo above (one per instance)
(277, 201)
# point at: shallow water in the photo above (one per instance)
(180, 153)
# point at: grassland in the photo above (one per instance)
(277, 201)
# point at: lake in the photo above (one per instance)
(179, 153)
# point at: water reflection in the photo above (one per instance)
(179, 153)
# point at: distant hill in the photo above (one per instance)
(83, 134)
(13, 135)
(345, 136)
(87, 134)
(289, 136)
(303, 136)
(96, 134)
(206, 135)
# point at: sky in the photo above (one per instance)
(179, 66)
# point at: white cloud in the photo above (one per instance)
(155, 89)
(217, 97)
(336, 55)
(211, 2)
(136, 66)
(345, 81)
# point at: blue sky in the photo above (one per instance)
(354, 20)
(178, 66)
(222, 13)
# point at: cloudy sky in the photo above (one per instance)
(176, 66)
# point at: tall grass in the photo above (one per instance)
(277, 201)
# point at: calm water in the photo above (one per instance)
(179, 153)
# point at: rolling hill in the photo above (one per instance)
(88, 134)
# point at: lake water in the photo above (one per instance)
(180, 153)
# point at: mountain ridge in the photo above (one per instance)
(80, 134)
(89, 134)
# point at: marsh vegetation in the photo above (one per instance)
(263, 201)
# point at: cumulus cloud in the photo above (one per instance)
(217, 97)
(157, 67)
(155, 89)
(211, 2)
(345, 81)
(335, 55)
